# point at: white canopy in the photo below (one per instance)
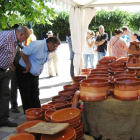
(81, 13)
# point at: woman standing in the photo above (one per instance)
(117, 46)
(88, 50)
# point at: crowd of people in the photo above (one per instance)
(23, 65)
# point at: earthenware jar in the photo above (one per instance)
(134, 48)
(133, 61)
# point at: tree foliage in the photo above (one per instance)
(134, 21)
(110, 19)
(24, 11)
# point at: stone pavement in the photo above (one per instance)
(49, 87)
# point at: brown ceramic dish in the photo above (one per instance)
(67, 92)
(46, 107)
(122, 59)
(62, 98)
(65, 115)
(127, 84)
(123, 76)
(94, 85)
(117, 64)
(67, 134)
(23, 136)
(60, 104)
(130, 73)
(99, 71)
(73, 86)
(33, 112)
(104, 62)
(49, 113)
(134, 48)
(113, 72)
(23, 126)
(77, 79)
(113, 58)
(29, 118)
(99, 76)
(86, 70)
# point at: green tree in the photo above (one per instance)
(134, 21)
(110, 20)
(24, 11)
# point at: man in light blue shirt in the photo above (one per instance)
(34, 56)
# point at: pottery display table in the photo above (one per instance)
(113, 119)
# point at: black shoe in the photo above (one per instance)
(15, 110)
(9, 124)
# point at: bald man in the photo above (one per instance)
(8, 48)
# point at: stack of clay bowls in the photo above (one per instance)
(23, 136)
(34, 114)
(127, 89)
(67, 134)
(133, 62)
(94, 89)
(71, 116)
(47, 107)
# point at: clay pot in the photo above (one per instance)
(129, 73)
(23, 126)
(102, 66)
(96, 76)
(59, 104)
(123, 76)
(29, 118)
(137, 71)
(86, 70)
(67, 134)
(33, 112)
(127, 84)
(104, 61)
(48, 113)
(122, 59)
(67, 92)
(77, 79)
(62, 98)
(47, 107)
(94, 85)
(73, 86)
(134, 48)
(113, 72)
(23, 136)
(133, 61)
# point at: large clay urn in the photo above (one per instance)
(134, 48)
(133, 61)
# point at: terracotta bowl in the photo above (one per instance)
(60, 104)
(113, 72)
(117, 64)
(127, 84)
(102, 66)
(84, 73)
(104, 62)
(119, 68)
(99, 71)
(122, 59)
(122, 76)
(73, 86)
(67, 92)
(47, 107)
(125, 95)
(48, 113)
(23, 136)
(33, 112)
(29, 118)
(65, 115)
(86, 70)
(96, 76)
(77, 79)
(62, 98)
(23, 126)
(67, 134)
(93, 96)
(94, 85)
(113, 58)
(130, 73)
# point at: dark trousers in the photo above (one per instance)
(28, 86)
(72, 68)
(14, 86)
(4, 95)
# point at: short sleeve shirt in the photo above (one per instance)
(103, 47)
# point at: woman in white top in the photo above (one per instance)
(88, 50)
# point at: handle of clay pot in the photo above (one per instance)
(137, 47)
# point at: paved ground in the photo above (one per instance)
(48, 87)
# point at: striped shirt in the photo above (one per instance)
(8, 48)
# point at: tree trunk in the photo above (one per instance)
(110, 34)
(57, 35)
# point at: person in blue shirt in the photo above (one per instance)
(33, 57)
(71, 57)
(126, 34)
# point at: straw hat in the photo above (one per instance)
(49, 33)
